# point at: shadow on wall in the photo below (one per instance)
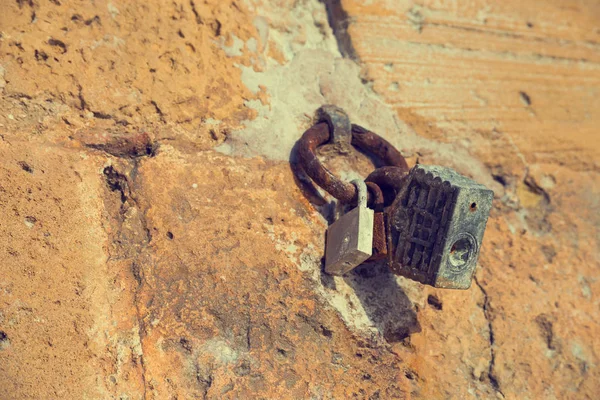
(384, 301)
(389, 309)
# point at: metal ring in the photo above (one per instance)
(389, 180)
(363, 139)
(376, 199)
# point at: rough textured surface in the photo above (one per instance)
(510, 80)
(135, 66)
(59, 337)
(140, 263)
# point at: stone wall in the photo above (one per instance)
(156, 244)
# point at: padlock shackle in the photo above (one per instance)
(362, 193)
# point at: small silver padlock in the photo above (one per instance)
(350, 238)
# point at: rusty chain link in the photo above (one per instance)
(332, 127)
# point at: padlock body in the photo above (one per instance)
(349, 241)
(435, 227)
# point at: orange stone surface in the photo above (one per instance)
(156, 244)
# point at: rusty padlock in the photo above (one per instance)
(433, 217)
(435, 227)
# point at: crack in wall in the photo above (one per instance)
(339, 21)
(487, 313)
(131, 239)
(141, 329)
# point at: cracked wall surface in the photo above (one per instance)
(156, 243)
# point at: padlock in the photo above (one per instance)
(435, 227)
(349, 240)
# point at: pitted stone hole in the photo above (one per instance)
(434, 302)
(4, 342)
(473, 207)
(170, 235)
(326, 332)
(25, 167)
(460, 252)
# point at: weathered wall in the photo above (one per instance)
(527, 72)
(156, 245)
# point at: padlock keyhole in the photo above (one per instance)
(460, 252)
